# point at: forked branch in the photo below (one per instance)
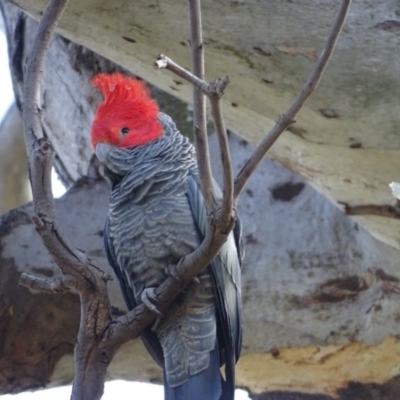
(214, 91)
(288, 118)
(79, 272)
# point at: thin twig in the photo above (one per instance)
(288, 117)
(199, 106)
(164, 62)
(214, 88)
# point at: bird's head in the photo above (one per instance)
(127, 117)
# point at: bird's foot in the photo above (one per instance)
(172, 270)
(149, 298)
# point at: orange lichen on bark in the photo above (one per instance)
(320, 369)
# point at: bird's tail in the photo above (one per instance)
(206, 385)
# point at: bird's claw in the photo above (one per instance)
(171, 270)
(149, 297)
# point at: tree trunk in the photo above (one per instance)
(320, 295)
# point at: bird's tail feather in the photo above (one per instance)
(206, 385)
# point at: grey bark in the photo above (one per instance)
(316, 286)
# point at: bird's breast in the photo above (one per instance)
(152, 227)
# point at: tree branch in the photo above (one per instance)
(57, 285)
(39, 150)
(214, 91)
(34, 73)
(164, 62)
(287, 118)
(82, 274)
(383, 210)
(199, 106)
(226, 217)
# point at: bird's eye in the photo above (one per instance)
(124, 131)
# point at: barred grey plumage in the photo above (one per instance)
(156, 217)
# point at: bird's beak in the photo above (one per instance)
(102, 151)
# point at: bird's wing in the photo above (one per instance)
(149, 338)
(225, 271)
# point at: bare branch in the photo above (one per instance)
(214, 91)
(40, 153)
(199, 106)
(35, 69)
(226, 219)
(287, 118)
(383, 210)
(57, 285)
(82, 274)
(39, 150)
(215, 88)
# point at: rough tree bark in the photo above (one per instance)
(328, 282)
